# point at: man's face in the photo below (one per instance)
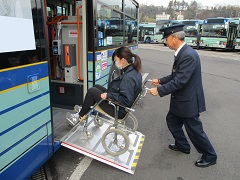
(171, 42)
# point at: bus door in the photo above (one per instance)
(81, 45)
(231, 35)
(68, 54)
(107, 31)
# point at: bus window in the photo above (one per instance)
(130, 9)
(110, 29)
(61, 11)
(16, 58)
(131, 30)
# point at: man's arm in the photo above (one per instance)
(181, 78)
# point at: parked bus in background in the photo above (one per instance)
(218, 33)
(146, 29)
(191, 29)
(157, 36)
(46, 69)
(114, 27)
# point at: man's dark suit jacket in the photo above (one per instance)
(184, 84)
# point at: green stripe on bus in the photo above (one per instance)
(18, 95)
(22, 147)
(19, 114)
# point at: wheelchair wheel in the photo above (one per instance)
(115, 142)
(87, 135)
(130, 122)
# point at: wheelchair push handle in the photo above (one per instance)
(145, 88)
(149, 80)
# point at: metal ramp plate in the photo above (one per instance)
(93, 148)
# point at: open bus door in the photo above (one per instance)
(231, 35)
(79, 61)
(67, 63)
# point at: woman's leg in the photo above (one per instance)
(106, 107)
(101, 88)
(93, 95)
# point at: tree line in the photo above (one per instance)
(192, 10)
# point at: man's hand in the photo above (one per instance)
(153, 91)
(104, 95)
(155, 82)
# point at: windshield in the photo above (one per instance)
(214, 30)
(190, 30)
(161, 25)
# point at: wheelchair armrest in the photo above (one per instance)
(115, 103)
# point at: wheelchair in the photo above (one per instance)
(115, 140)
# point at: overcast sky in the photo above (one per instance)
(203, 2)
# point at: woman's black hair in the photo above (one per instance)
(126, 53)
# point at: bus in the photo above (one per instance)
(51, 52)
(191, 29)
(218, 33)
(157, 36)
(146, 28)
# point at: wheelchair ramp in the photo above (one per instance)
(93, 148)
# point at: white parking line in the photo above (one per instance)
(81, 168)
(144, 76)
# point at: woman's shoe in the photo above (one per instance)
(77, 108)
(72, 119)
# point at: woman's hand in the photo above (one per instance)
(104, 95)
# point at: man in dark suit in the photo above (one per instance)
(187, 97)
(198, 39)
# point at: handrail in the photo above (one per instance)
(79, 42)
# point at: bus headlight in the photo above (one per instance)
(236, 43)
(222, 43)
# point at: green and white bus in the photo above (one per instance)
(191, 29)
(157, 36)
(218, 33)
(146, 28)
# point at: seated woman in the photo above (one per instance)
(124, 89)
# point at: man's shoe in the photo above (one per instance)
(203, 163)
(175, 148)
